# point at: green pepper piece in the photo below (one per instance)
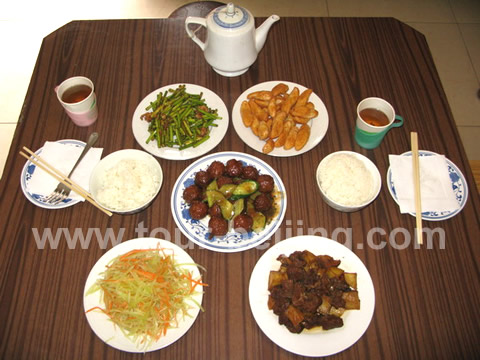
(259, 222)
(212, 185)
(227, 190)
(238, 206)
(245, 189)
(227, 209)
(214, 197)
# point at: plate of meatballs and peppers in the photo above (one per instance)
(228, 202)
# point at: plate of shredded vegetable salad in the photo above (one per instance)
(180, 121)
(143, 295)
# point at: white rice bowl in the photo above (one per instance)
(126, 181)
(348, 181)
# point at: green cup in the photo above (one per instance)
(375, 117)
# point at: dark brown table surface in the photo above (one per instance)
(426, 299)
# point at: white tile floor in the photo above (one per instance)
(452, 28)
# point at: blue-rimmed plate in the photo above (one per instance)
(459, 186)
(197, 230)
(27, 174)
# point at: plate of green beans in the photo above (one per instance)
(180, 121)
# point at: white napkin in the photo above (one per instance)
(435, 184)
(63, 157)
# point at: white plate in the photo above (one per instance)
(313, 342)
(319, 125)
(197, 230)
(459, 186)
(27, 173)
(111, 334)
(213, 101)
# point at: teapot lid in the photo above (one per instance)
(230, 16)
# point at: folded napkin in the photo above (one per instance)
(435, 184)
(63, 157)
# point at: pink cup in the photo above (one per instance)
(77, 96)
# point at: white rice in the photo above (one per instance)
(128, 185)
(346, 180)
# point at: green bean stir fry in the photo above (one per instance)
(179, 119)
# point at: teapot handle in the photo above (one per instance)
(195, 20)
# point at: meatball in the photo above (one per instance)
(262, 202)
(234, 168)
(198, 210)
(250, 172)
(242, 222)
(218, 226)
(265, 183)
(215, 211)
(191, 193)
(202, 178)
(216, 169)
(223, 180)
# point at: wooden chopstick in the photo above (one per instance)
(52, 171)
(416, 183)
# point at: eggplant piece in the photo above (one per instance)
(309, 257)
(334, 272)
(294, 315)
(271, 302)
(276, 278)
(324, 308)
(352, 301)
(336, 311)
(327, 261)
(351, 279)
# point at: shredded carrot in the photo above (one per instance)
(195, 283)
(145, 293)
(147, 274)
(95, 308)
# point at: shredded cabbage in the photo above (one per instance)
(145, 293)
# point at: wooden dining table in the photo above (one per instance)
(426, 297)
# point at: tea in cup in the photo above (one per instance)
(77, 96)
(375, 117)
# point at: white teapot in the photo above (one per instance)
(232, 42)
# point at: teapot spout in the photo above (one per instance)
(262, 31)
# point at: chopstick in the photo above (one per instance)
(416, 183)
(49, 169)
